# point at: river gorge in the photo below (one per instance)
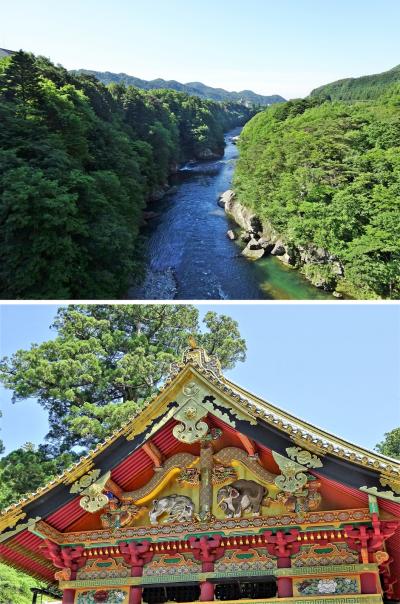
(189, 255)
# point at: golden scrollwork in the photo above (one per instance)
(190, 415)
(293, 477)
(84, 465)
(304, 457)
(85, 481)
(382, 494)
(390, 481)
(92, 497)
(10, 520)
(229, 455)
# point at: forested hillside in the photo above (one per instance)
(78, 162)
(359, 89)
(193, 88)
(326, 176)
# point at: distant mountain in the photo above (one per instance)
(248, 97)
(360, 89)
(5, 53)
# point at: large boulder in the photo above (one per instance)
(226, 197)
(253, 254)
(244, 217)
(278, 249)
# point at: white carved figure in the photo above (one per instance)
(177, 507)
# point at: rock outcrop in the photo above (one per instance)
(319, 266)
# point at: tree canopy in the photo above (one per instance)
(105, 363)
(326, 175)
(78, 163)
(390, 445)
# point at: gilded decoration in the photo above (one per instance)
(231, 455)
(106, 568)
(326, 586)
(10, 520)
(197, 356)
(324, 555)
(85, 481)
(29, 524)
(173, 508)
(92, 498)
(387, 480)
(84, 466)
(382, 494)
(306, 500)
(172, 564)
(191, 428)
(250, 560)
(172, 466)
(118, 514)
(303, 457)
(293, 477)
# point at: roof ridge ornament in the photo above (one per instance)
(198, 356)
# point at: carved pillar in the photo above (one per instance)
(137, 555)
(283, 546)
(206, 488)
(68, 596)
(207, 550)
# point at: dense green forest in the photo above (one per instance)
(327, 175)
(193, 88)
(359, 89)
(78, 162)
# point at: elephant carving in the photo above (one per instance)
(240, 496)
(177, 507)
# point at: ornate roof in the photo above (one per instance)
(235, 402)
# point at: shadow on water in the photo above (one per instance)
(189, 255)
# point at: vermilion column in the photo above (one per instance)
(68, 596)
(368, 583)
(206, 592)
(135, 595)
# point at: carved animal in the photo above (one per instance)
(178, 508)
(242, 495)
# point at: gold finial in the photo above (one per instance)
(192, 342)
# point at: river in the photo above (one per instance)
(189, 256)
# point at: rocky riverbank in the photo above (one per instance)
(321, 268)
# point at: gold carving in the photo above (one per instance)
(82, 467)
(85, 481)
(29, 524)
(229, 455)
(382, 494)
(173, 465)
(303, 457)
(390, 481)
(93, 498)
(293, 476)
(10, 519)
(192, 428)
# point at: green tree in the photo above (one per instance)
(15, 586)
(27, 468)
(390, 445)
(20, 82)
(107, 361)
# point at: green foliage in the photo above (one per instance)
(359, 89)
(26, 469)
(15, 586)
(390, 446)
(106, 362)
(78, 163)
(327, 175)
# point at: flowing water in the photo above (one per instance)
(189, 256)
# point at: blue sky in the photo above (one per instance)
(336, 366)
(286, 47)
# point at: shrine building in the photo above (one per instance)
(208, 494)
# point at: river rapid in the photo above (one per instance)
(189, 256)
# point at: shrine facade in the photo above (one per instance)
(208, 494)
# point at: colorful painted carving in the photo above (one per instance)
(118, 514)
(293, 477)
(190, 415)
(172, 564)
(239, 561)
(324, 555)
(241, 496)
(102, 596)
(174, 508)
(104, 568)
(306, 500)
(335, 585)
